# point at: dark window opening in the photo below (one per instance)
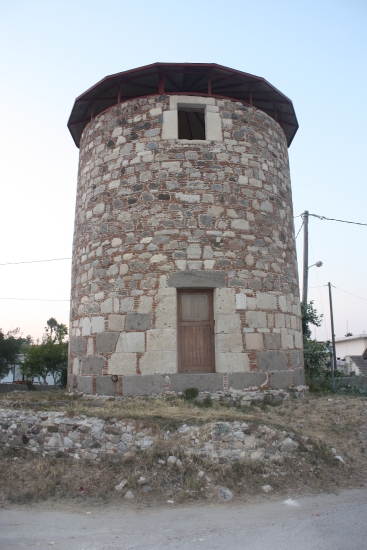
(191, 123)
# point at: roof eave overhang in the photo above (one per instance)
(234, 85)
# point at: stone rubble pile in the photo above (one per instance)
(81, 437)
(231, 396)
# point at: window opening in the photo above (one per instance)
(191, 123)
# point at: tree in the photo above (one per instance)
(10, 349)
(315, 353)
(50, 356)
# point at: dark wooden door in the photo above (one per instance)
(195, 331)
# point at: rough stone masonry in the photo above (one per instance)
(155, 214)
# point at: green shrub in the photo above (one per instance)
(190, 393)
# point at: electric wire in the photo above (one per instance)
(300, 229)
(35, 299)
(36, 261)
(355, 295)
(330, 219)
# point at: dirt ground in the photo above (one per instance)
(329, 422)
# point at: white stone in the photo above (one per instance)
(194, 265)
(256, 319)
(76, 366)
(116, 242)
(232, 213)
(228, 323)
(229, 342)
(254, 340)
(208, 253)
(166, 311)
(224, 300)
(86, 326)
(158, 362)
(130, 342)
(122, 363)
(287, 339)
(112, 270)
(241, 301)
(189, 101)
(116, 322)
(156, 111)
(283, 303)
(170, 125)
(181, 264)
(90, 346)
(240, 224)
(215, 211)
(266, 301)
(106, 306)
(209, 264)
(162, 340)
(213, 129)
(171, 166)
(129, 495)
(298, 340)
(158, 258)
(279, 320)
(232, 362)
(187, 198)
(145, 304)
(99, 208)
(194, 251)
(121, 485)
(127, 304)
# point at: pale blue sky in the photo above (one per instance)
(314, 52)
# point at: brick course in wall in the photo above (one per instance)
(154, 215)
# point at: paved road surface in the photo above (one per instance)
(325, 522)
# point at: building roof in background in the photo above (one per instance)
(203, 79)
(348, 338)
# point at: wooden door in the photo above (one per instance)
(195, 331)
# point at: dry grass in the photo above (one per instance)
(338, 422)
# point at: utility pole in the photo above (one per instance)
(333, 362)
(305, 256)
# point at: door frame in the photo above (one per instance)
(210, 293)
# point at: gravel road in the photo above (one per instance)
(323, 522)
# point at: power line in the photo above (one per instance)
(37, 261)
(299, 230)
(35, 299)
(355, 295)
(331, 219)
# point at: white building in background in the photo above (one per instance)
(350, 345)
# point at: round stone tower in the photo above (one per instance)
(184, 261)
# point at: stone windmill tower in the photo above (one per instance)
(184, 261)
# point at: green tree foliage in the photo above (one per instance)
(316, 353)
(10, 349)
(50, 356)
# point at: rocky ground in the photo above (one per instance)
(154, 451)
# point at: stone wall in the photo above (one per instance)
(52, 433)
(154, 214)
